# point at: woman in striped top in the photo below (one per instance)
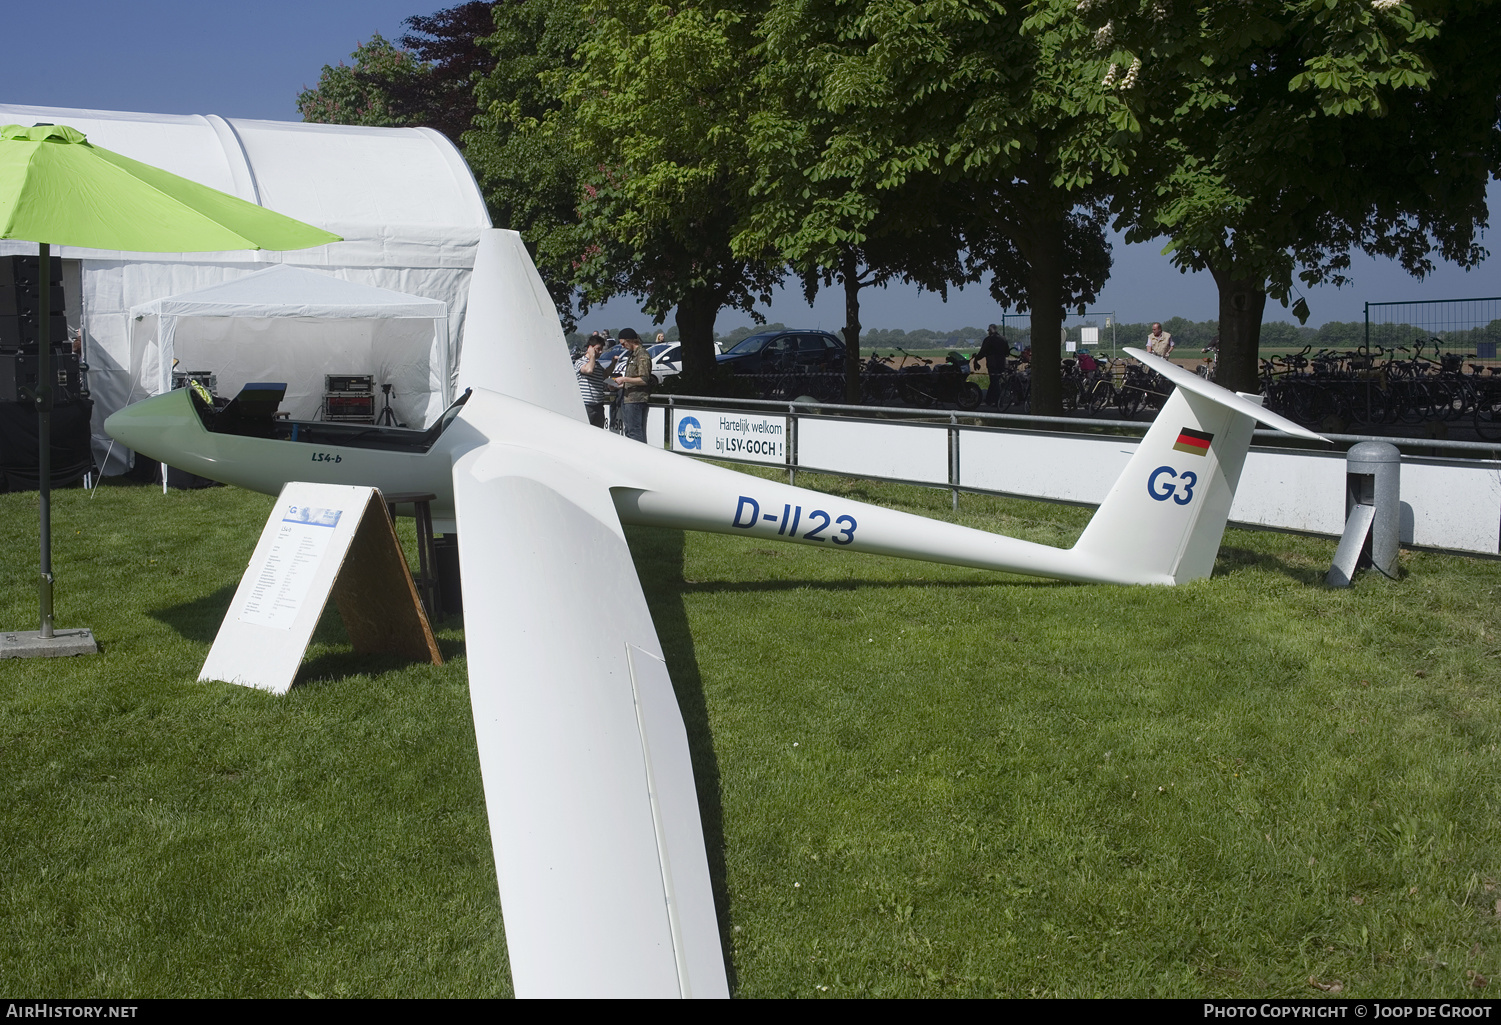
(594, 379)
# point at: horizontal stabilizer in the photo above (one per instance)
(1190, 381)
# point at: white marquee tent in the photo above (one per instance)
(296, 325)
(402, 198)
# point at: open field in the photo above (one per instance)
(917, 780)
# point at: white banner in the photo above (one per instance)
(752, 437)
(1451, 504)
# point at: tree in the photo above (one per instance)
(926, 260)
(449, 45)
(658, 108)
(1044, 254)
(364, 93)
(836, 230)
(428, 80)
(970, 95)
(1041, 235)
(830, 218)
(521, 147)
(1273, 137)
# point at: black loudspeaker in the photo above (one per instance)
(18, 332)
(71, 456)
(20, 303)
(21, 272)
(18, 376)
(23, 300)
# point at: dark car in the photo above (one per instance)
(784, 350)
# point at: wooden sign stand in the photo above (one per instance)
(320, 541)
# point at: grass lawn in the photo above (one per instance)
(917, 780)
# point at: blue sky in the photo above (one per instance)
(251, 60)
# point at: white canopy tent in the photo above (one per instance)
(403, 199)
(296, 325)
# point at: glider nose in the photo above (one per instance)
(155, 425)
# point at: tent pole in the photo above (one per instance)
(44, 426)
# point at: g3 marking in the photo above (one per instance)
(791, 516)
(327, 457)
(1162, 489)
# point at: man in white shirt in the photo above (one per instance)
(1159, 342)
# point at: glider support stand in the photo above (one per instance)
(1373, 513)
(321, 541)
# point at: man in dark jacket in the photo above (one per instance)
(994, 350)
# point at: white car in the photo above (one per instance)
(666, 359)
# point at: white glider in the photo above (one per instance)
(599, 849)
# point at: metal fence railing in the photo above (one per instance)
(1451, 490)
(1469, 327)
(796, 409)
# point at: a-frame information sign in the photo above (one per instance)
(321, 540)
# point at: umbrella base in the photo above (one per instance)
(31, 644)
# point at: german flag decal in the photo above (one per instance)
(1193, 442)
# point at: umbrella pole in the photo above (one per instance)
(47, 640)
(44, 427)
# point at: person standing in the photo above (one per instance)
(594, 379)
(635, 382)
(994, 350)
(1159, 342)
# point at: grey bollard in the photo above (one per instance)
(1373, 512)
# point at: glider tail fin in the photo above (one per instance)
(513, 342)
(1163, 519)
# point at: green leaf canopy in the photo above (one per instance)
(57, 187)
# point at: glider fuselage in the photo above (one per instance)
(171, 428)
(647, 486)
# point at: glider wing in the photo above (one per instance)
(594, 818)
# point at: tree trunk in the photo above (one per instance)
(1242, 303)
(849, 270)
(695, 318)
(1044, 252)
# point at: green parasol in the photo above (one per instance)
(57, 188)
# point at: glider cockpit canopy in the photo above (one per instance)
(252, 414)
